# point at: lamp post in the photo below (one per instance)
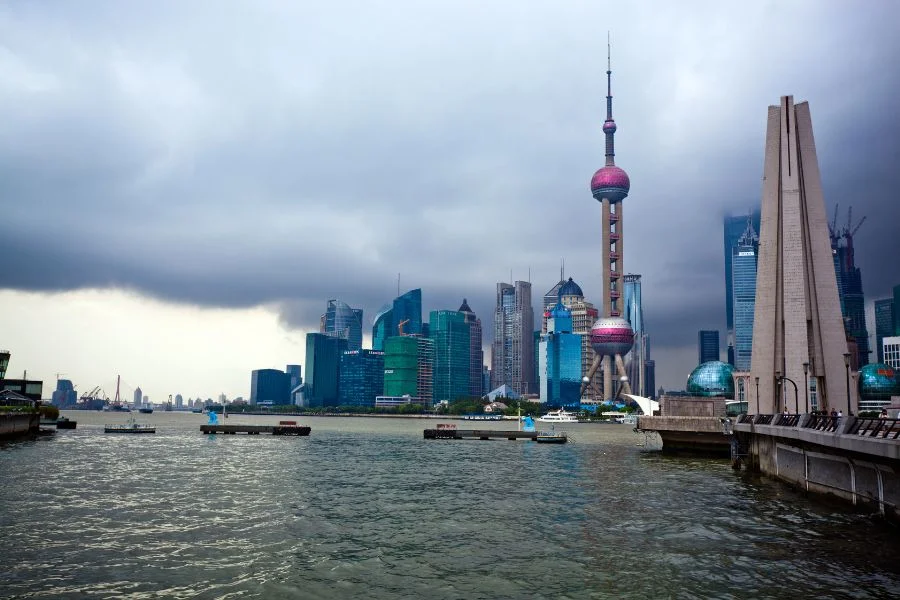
(796, 401)
(757, 395)
(806, 384)
(779, 391)
(847, 366)
(620, 382)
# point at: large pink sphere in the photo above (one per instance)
(611, 335)
(611, 183)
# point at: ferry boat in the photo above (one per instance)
(131, 426)
(146, 410)
(558, 416)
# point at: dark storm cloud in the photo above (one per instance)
(226, 155)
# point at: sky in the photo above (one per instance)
(183, 185)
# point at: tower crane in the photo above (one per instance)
(400, 326)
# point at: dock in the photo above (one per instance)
(256, 429)
(477, 434)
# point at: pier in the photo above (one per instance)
(296, 430)
(451, 433)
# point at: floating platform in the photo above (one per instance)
(448, 433)
(256, 429)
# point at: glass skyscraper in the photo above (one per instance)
(884, 324)
(323, 361)
(361, 377)
(476, 352)
(408, 311)
(270, 386)
(635, 362)
(342, 321)
(559, 358)
(383, 327)
(450, 334)
(512, 353)
(708, 345)
(735, 227)
(743, 272)
(401, 366)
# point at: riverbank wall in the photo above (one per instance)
(18, 424)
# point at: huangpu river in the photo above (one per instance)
(365, 508)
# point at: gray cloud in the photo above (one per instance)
(238, 155)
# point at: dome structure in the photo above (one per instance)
(609, 126)
(611, 336)
(713, 378)
(570, 288)
(878, 382)
(610, 182)
(560, 311)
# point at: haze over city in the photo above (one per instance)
(183, 186)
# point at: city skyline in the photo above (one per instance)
(155, 193)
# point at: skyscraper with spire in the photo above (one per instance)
(611, 336)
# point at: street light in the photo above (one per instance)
(796, 401)
(847, 366)
(622, 381)
(806, 384)
(757, 395)
(779, 391)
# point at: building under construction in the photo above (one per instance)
(849, 282)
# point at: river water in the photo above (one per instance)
(365, 508)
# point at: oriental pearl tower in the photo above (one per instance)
(611, 336)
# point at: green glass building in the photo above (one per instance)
(713, 378)
(450, 333)
(401, 369)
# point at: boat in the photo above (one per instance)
(626, 419)
(558, 416)
(129, 427)
(65, 423)
(483, 417)
(146, 410)
(551, 437)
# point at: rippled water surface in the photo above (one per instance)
(365, 508)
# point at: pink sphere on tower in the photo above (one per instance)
(611, 336)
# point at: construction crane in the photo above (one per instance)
(401, 324)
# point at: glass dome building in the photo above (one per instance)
(876, 384)
(713, 378)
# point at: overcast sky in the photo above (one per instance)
(183, 185)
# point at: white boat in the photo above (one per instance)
(558, 416)
(627, 419)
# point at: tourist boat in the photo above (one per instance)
(130, 427)
(146, 410)
(627, 419)
(551, 437)
(558, 416)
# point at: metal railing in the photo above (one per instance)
(822, 423)
(877, 428)
(787, 420)
(763, 419)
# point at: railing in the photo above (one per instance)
(877, 428)
(763, 419)
(787, 420)
(822, 423)
(745, 418)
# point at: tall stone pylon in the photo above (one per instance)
(797, 316)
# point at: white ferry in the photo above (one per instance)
(558, 416)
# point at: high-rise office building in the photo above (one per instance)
(743, 299)
(850, 290)
(425, 367)
(323, 361)
(884, 324)
(512, 352)
(707, 345)
(476, 351)
(361, 377)
(611, 336)
(138, 397)
(636, 360)
(797, 318)
(340, 320)
(407, 313)
(179, 401)
(294, 375)
(450, 334)
(383, 327)
(584, 315)
(65, 393)
(897, 310)
(4, 363)
(734, 227)
(891, 351)
(270, 386)
(401, 366)
(559, 358)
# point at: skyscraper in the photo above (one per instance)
(797, 316)
(342, 321)
(383, 327)
(560, 360)
(65, 393)
(476, 351)
(734, 228)
(138, 397)
(897, 310)
(450, 334)
(636, 361)
(361, 377)
(611, 336)
(743, 299)
(850, 291)
(884, 324)
(707, 345)
(407, 312)
(323, 361)
(583, 313)
(512, 352)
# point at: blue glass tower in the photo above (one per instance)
(743, 286)
(323, 360)
(560, 361)
(361, 377)
(408, 310)
(383, 326)
(343, 321)
(270, 386)
(450, 334)
(734, 228)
